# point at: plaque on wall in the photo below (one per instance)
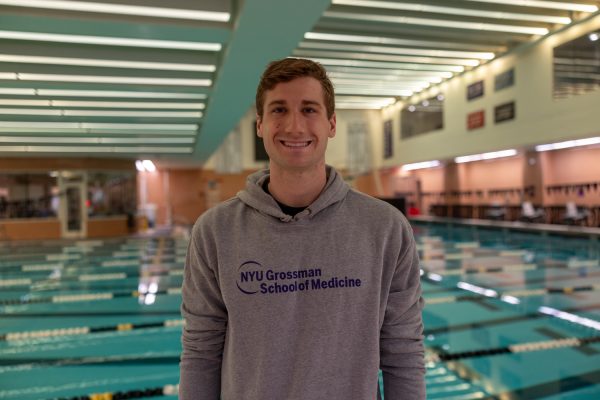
(260, 154)
(475, 90)
(476, 120)
(504, 112)
(388, 145)
(504, 80)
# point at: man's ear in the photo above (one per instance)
(258, 125)
(332, 125)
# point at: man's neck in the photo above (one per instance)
(297, 188)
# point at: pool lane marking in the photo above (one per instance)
(85, 330)
(516, 293)
(73, 298)
(528, 347)
(88, 278)
(167, 390)
(124, 360)
(587, 350)
(488, 270)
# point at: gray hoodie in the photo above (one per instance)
(307, 307)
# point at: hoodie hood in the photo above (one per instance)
(254, 196)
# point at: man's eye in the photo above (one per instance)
(278, 110)
(309, 110)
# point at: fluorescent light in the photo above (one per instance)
(424, 63)
(399, 50)
(93, 149)
(434, 277)
(379, 80)
(335, 37)
(486, 156)
(93, 140)
(374, 92)
(358, 106)
(376, 72)
(17, 92)
(88, 62)
(109, 41)
(570, 6)
(396, 66)
(97, 113)
(454, 11)
(386, 101)
(149, 165)
(568, 144)
(421, 165)
(128, 80)
(112, 8)
(407, 85)
(100, 104)
(112, 93)
(594, 36)
(139, 166)
(98, 125)
(141, 114)
(479, 26)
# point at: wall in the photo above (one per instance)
(539, 118)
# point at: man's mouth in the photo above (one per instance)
(296, 144)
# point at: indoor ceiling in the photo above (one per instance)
(169, 80)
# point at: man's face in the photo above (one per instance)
(294, 125)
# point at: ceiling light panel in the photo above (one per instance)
(109, 41)
(390, 65)
(85, 62)
(127, 80)
(94, 140)
(399, 50)
(391, 58)
(98, 125)
(96, 113)
(335, 37)
(113, 93)
(96, 149)
(479, 26)
(100, 104)
(395, 72)
(568, 6)
(124, 9)
(425, 8)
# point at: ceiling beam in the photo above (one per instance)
(266, 30)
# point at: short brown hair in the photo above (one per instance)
(289, 69)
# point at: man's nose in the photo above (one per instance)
(295, 122)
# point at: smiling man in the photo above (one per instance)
(300, 288)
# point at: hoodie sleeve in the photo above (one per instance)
(203, 334)
(401, 337)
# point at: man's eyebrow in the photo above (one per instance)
(312, 103)
(276, 102)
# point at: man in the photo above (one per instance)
(300, 288)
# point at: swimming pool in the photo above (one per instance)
(508, 315)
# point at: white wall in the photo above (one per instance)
(539, 118)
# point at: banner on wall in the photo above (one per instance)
(359, 160)
(476, 120)
(504, 112)
(388, 144)
(228, 158)
(475, 90)
(504, 80)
